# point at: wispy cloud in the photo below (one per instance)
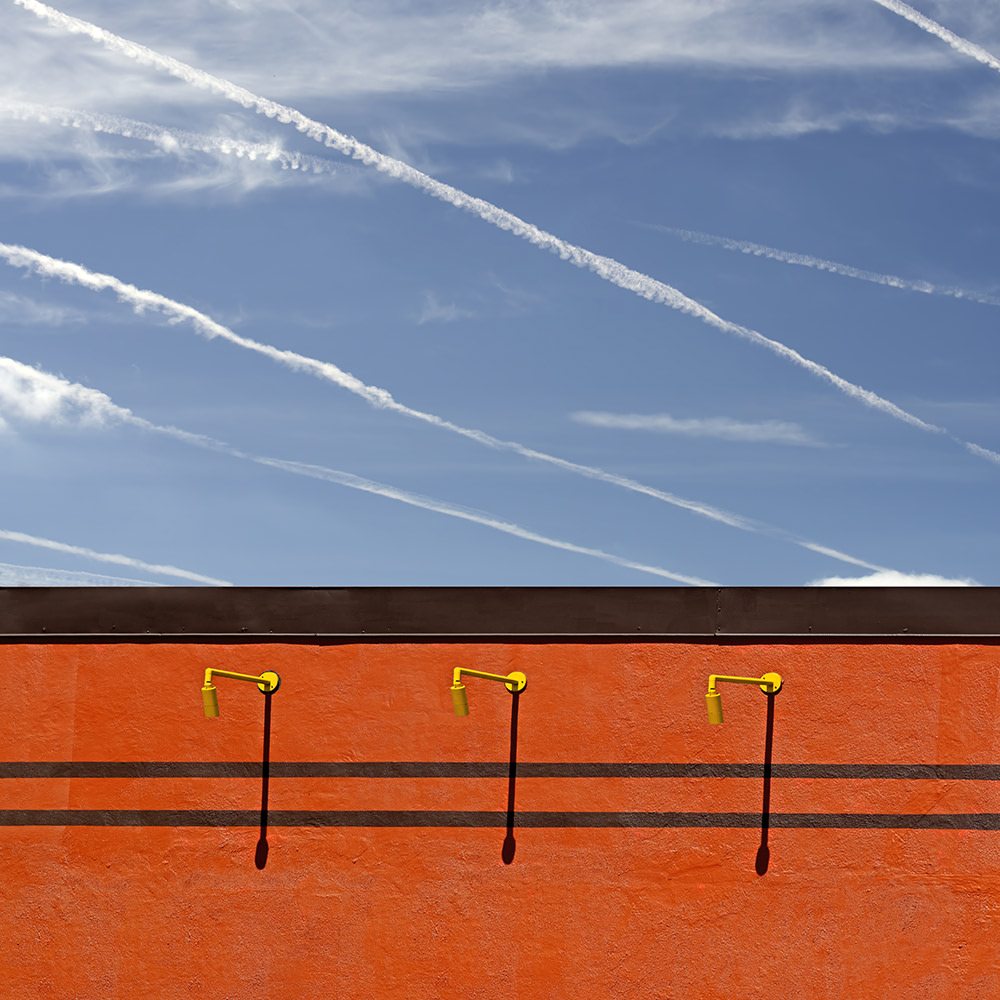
(380, 398)
(501, 171)
(460, 52)
(893, 578)
(771, 431)
(605, 267)
(433, 311)
(50, 385)
(29, 394)
(800, 118)
(804, 260)
(171, 140)
(26, 311)
(972, 111)
(38, 576)
(91, 165)
(385, 46)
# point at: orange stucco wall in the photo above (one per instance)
(414, 912)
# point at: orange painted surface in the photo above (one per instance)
(96, 911)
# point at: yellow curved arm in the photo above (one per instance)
(268, 682)
(515, 683)
(769, 684)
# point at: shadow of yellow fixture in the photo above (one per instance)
(769, 684)
(268, 682)
(515, 683)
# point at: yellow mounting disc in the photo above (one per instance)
(516, 682)
(775, 680)
(274, 680)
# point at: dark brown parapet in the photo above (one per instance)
(236, 614)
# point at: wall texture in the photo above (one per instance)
(406, 856)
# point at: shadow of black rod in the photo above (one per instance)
(509, 844)
(260, 857)
(763, 853)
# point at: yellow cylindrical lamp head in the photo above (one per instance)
(713, 702)
(210, 696)
(460, 699)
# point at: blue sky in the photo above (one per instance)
(821, 175)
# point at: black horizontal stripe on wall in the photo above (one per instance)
(386, 818)
(489, 769)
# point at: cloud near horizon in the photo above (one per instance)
(893, 578)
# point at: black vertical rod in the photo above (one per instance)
(763, 852)
(509, 844)
(260, 858)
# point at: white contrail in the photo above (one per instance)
(166, 138)
(43, 397)
(109, 557)
(958, 43)
(787, 257)
(980, 54)
(990, 456)
(605, 267)
(142, 300)
(823, 550)
(442, 507)
(12, 575)
(32, 394)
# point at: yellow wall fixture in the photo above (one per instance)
(769, 684)
(268, 682)
(515, 683)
